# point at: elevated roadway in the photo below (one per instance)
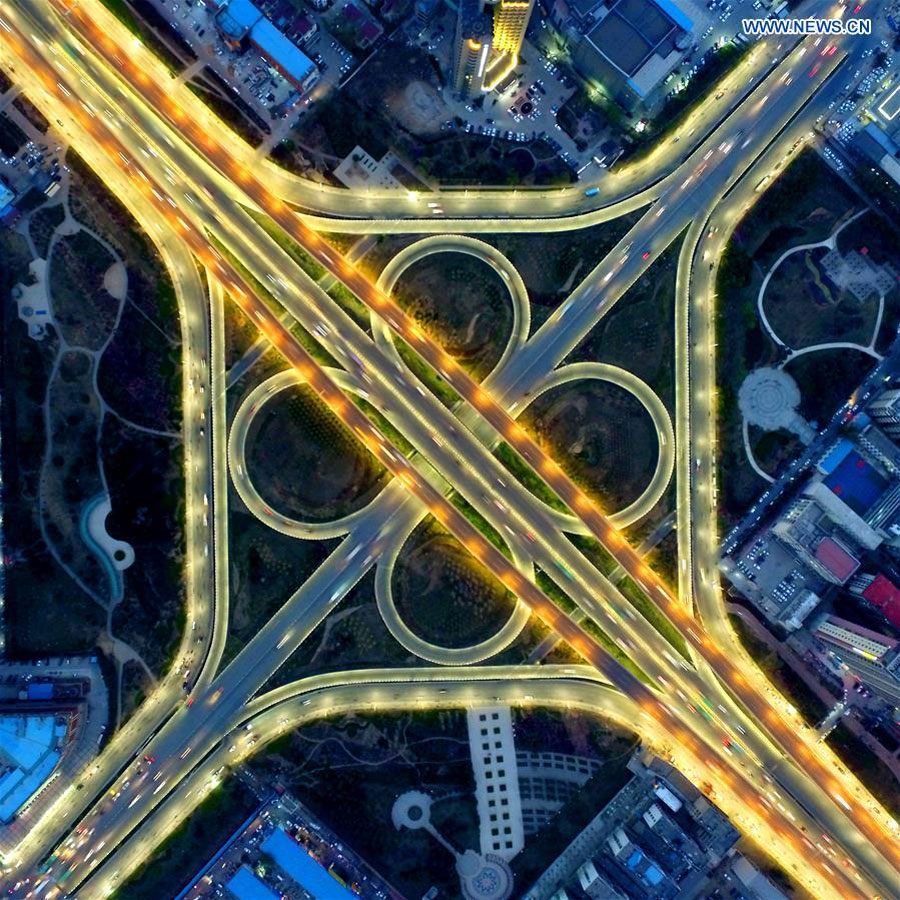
(501, 566)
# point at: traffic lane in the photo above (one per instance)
(443, 689)
(701, 286)
(490, 197)
(640, 248)
(188, 738)
(187, 284)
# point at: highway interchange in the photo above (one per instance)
(183, 183)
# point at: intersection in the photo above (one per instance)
(446, 456)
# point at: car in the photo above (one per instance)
(645, 255)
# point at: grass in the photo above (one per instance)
(124, 13)
(385, 427)
(803, 205)
(875, 776)
(479, 521)
(443, 594)
(528, 478)
(615, 651)
(596, 553)
(651, 612)
(331, 473)
(568, 606)
(229, 114)
(423, 371)
(84, 311)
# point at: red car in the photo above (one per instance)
(646, 255)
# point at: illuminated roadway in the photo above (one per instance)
(499, 565)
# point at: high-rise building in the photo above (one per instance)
(510, 24)
(425, 10)
(885, 410)
(489, 36)
(473, 47)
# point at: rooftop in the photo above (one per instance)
(246, 886)
(300, 866)
(281, 50)
(856, 482)
(836, 559)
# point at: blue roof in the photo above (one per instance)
(281, 50)
(675, 14)
(856, 483)
(237, 18)
(633, 85)
(297, 863)
(41, 691)
(28, 786)
(246, 886)
(653, 875)
(835, 456)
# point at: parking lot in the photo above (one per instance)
(248, 74)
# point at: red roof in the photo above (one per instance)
(371, 30)
(881, 592)
(884, 594)
(836, 559)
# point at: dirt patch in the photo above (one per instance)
(443, 594)
(305, 463)
(418, 108)
(115, 280)
(464, 303)
(602, 436)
